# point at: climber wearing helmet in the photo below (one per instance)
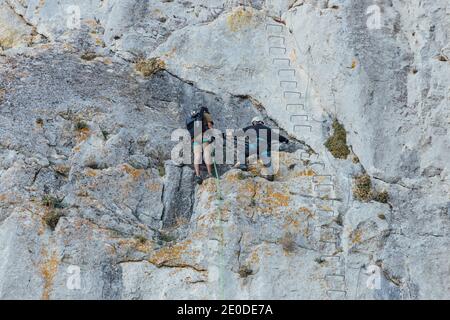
(262, 146)
(197, 124)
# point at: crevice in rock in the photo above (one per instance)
(34, 28)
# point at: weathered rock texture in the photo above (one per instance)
(85, 184)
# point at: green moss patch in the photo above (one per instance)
(150, 66)
(382, 197)
(141, 239)
(89, 56)
(245, 272)
(364, 192)
(51, 219)
(337, 143)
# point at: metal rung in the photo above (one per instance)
(328, 214)
(304, 153)
(296, 93)
(336, 294)
(301, 116)
(332, 263)
(277, 37)
(318, 164)
(282, 60)
(319, 187)
(328, 241)
(338, 277)
(328, 248)
(287, 71)
(298, 126)
(318, 177)
(282, 49)
(288, 82)
(274, 26)
(327, 258)
(295, 106)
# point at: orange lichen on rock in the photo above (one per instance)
(306, 173)
(356, 237)
(307, 212)
(239, 19)
(275, 198)
(48, 271)
(91, 173)
(135, 173)
(83, 135)
(154, 187)
(172, 255)
(208, 185)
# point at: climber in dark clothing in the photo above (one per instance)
(261, 145)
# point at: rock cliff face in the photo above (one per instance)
(91, 207)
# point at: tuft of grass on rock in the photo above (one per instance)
(141, 239)
(337, 143)
(161, 170)
(2, 94)
(362, 189)
(81, 125)
(89, 56)
(240, 176)
(245, 272)
(148, 67)
(288, 242)
(40, 122)
(166, 237)
(382, 197)
(159, 157)
(52, 202)
(319, 260)
(105, 135)
(51, 218)
(339, 221)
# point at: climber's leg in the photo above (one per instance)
(207, 150)
(267, 170)
(197, 161)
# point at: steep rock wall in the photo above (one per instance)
(80, 125)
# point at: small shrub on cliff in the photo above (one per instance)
(51, 218)
(51, 202)
(364, 192)
(88, 56)
(40, 122)
(150, 66)
(81, 125)
(288, 243)
(166, 237)
(2, 94)
(382, 197)
(337, 143)
(141, 239)
(362, 189)
(158, 158)
(245, 271)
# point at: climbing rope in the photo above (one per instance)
(221, 229)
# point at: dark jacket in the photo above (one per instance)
(264, 139)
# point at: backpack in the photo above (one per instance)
(195, 121)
